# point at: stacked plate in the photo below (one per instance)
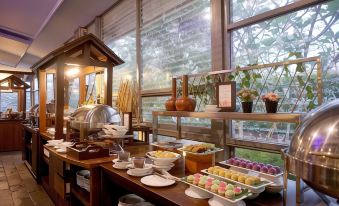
(83, 179)
(121, 165)
(163, 163)
(140, 172)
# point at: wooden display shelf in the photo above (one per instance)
(267, 117)
(81, 194)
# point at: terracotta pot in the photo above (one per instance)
(271, 106)
(185, 103)
(170, 103)
(247, 107)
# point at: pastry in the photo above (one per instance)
(229, 187)
(222, 184)
(216, 172)
(208, 185)
(222, 173)
(214, 188)
(190, 178)
(256, 180)
(196, 181)
(216, 182)
(235, 177)
(228, 175)
(241, 179)
(210, 170)
(229, 194)
(221, 191)
(202, 183)
(237, 190)
(249, 181)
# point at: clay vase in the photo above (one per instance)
(185, 103)
(170, 103)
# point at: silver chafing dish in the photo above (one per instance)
(94, 117)
(313, 154)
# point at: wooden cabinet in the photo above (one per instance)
(30, 149)
(10, 135)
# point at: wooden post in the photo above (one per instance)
(108, 85)
(82, 89)
(42, 100)
(59, 99)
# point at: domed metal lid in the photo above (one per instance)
(316, 140)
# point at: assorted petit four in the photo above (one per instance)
(256, 166)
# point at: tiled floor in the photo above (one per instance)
(17, 186)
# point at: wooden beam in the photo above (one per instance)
(42, 100)
(16, 72)
(274, 13)
(82, 89)
(59, 99)
(108, 86)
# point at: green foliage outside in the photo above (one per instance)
(258, 156)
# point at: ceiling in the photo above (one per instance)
(31, 29)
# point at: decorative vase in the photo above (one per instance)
(185, 103)
(271, 106)
(170, 103)
(247, 107)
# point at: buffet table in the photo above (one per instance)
(116, 183)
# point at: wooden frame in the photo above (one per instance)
(85, 51)
(228, 87)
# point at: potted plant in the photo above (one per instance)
(247, 96)
(271, 100)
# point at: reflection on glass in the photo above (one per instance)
(8, 100)
(74, 93)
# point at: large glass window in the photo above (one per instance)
(8, 100)
(74, 94)
(242, 9)
(175, 40)
(50, 87)
(306, 33)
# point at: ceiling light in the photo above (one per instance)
(72, 72)
(70, 64)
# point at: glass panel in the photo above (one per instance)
(175, 43)
(242, 9)
(126, 50)
(36, 85)
(90, 92)
(36, 97)
(8, 100)
(74, 93)
(306, 33)
(28, 100)
(262, 157)
(50, 87)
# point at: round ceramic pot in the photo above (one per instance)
(185, 103)
(247, 107)
(271, 106)
(170, 103)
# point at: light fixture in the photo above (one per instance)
(72, 72)
(6, 91)
(70, 64)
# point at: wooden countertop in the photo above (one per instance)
(175, 194)
(87, 164)
(46, 136)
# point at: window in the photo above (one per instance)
(8, 100)
(309, 32)
(119, 34)
(175, 40)
(35, 91)
(73, 94)
(242, 9)
(50, 87)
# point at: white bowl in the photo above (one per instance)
(162, 161)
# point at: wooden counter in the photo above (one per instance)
(31, 148)
(10, 135)
(117, 182)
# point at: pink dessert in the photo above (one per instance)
(269, 166)
(208, 185)
(209, 179)
(249, 166)
(264, 169)
(243, 164)
(196, 181)
(237, 190)
(277, 169)
(261, 164)
(197, 175)
(236, 163)
(257, 168)
(230, 161)
(272, 171)
(222, 184)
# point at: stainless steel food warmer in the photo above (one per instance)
(95, 116)
(313, 154)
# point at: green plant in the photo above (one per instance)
(247, 95)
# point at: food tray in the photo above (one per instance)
(203, 153)
(169, 145)
(84, 151)
(250, 170)
(237, 198)
(262, 184)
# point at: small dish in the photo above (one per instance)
(166, 167)
(115, 166)
(61, 150)
(156, 181)
(147, 168)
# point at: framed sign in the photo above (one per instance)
(226, 96)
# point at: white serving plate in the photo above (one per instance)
(204, 153)
(254, 189)
(215, 194)
(162, 161)
(250, 170)
(156, 181)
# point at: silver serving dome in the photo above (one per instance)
(313, 154)
(95, 116)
